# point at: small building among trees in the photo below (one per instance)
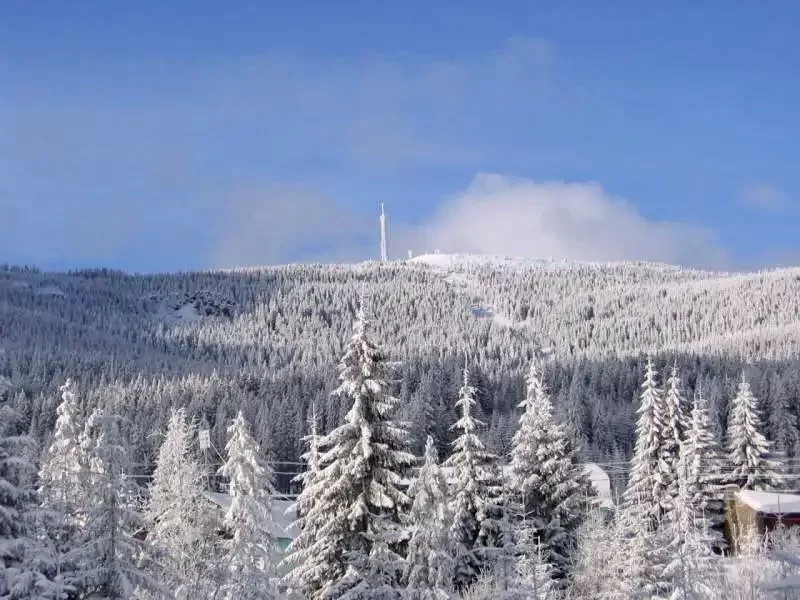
(762, 512)
(282, 524)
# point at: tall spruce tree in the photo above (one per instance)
(26, 566)
(112, 557)
(429, 565)
(748, 449)
(639, 551)
(705, 469)
(691, 567)
(546, 477)
(311, 459)
(251, 550)
(63, 487)
(357, 493)
(535, 577)
(646, 487)
(782, 417)
(62, 470)
(310, 564)
(598, 559)
(180, 522)
(675, 424)
(475, 497)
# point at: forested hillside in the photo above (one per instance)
(268, 341)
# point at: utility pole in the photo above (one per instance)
(204, 441)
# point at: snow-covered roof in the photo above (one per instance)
(282, 517)
(601, 482)
(770, 502)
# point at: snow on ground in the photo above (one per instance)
(185, 314)
(487, 312)
(452, 265)
(455, 261)
(50, 290)
(441, 261)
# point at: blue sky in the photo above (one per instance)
(155, 136)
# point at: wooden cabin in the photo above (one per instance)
(763, 511)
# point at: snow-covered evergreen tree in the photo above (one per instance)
(356, 499)
(504, 569)
(646, 487)
(429, 566)
(111, 557)
(546, 477)
(309, 569)
(63, 487)
(535, 574)
(640, 549)
(311, 563)
(251, 551)
(376, 579)
(531, 578)
(27, 568)
(692, 568)
(311, 459)
(781, 417)
(748, 448)
(475, 496)
(674, 425)
(596, 559)
(181, 522)
(705, 469)
(61, 473)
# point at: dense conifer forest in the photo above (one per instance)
(267, 341)
(432, 414)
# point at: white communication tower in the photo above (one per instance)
(384, 251)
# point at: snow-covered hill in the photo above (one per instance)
(580, 309)
(270, 339)
(631, 307)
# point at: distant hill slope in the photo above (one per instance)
(269, 339)
(598, 309)
(226, 318)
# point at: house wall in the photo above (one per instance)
(739, 517)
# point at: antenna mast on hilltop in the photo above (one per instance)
(384, 251)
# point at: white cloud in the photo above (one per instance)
(495, 214)
(509, 216)
(765, 196)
